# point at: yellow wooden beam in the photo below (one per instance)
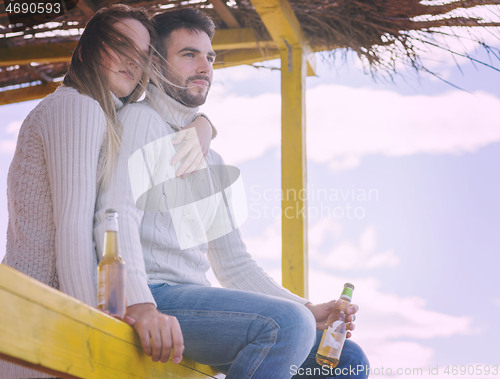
(51, 53)
(228, 58)
(225, 13)
(284, 28)
(236, 39)
(45, 329)
(27, 93)
(224, 39)
(294, 172)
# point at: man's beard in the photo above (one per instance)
(182, 93)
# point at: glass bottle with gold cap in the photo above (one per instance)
(334, 336)
(111, 271)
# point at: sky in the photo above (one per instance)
(403, 200)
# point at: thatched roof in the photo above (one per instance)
(36, 54)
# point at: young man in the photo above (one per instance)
(252, 328)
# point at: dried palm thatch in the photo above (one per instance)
(387, 34)
(384, 33)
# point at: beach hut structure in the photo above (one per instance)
(36, 46)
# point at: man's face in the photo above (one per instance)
(189, 66)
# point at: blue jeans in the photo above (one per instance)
(245, 334)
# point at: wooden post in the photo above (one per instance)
(294, 170)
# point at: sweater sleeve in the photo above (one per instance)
(234, 267)
(117, 194)
(72, 135)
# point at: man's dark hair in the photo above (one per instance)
(185, 18)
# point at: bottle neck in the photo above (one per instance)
(111, 236)
(345, 301)
(111, 223)
(346, 296)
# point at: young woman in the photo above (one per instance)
(65, 152)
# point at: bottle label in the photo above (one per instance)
(332, 341)
(111, 289)
(101, 289)
(346, 293)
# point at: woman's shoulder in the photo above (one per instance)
(70, 97)
(64, 109)
(65, 101)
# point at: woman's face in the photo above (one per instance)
(123, 75)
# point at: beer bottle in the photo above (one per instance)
(333, 338)
(111, 271)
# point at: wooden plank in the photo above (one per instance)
(225, 13)
(284, 27)
(285, 30)
(27, 93)
(54, 52)
(87, 7)
(293, 172)
(227, 58)
(237, 39)
(224, 39)
(48, 330)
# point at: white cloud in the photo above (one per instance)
(268, 244)
(242, 73)
(247, 126)
(347, 255)
(394, 331)
(383, 122)
(13, 128)
(345, 124)
(389, 356)
(8, 145)
(344, 255)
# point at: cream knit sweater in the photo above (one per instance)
(52, 187)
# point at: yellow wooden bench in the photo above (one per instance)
(47, 330)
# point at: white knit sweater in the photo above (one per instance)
(52, 186)
(148, 242)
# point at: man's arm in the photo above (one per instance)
(233, 265)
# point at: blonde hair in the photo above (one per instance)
(85, 72)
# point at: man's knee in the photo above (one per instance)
(354, 357)
(300, 325)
